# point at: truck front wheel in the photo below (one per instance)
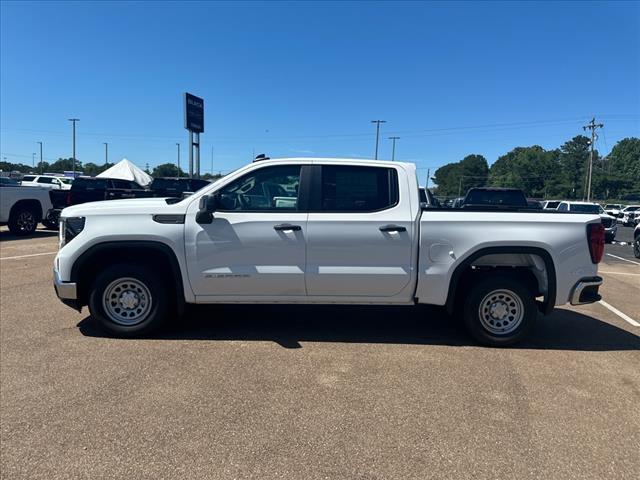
(499, 310)
(128, 300)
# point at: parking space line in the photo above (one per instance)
(26, 256)
(623, 316)
(618, 273)
(620, 258)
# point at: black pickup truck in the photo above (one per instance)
(93, 189)
(175, 186)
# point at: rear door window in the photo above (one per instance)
(28, 178)
(357, 189)
(45, 180)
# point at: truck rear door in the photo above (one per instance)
(359, 233)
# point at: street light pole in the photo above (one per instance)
(41, 165)
(393, 148)
(377, 122)
(178, 159)
(33, 160)
(106, 152)
(73, 121)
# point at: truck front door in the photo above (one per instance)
(255, 246)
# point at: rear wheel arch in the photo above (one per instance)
(463, 274)
(157, 255)
(33, 205)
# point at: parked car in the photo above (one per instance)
(494, 197)
(550, 204)
(608, 222)
(613, 209)
(533, 203)
(636, 241)
(630, 216)
(47, 181)
(22, 208)
(9, 182)
(93, 189)
(175, 186)
(353, 233)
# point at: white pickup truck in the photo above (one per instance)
(325, 231)
(22, 208)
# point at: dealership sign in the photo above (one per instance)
(193, 113)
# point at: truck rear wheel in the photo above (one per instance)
(23, 221)
(499, 310)
(129, 300)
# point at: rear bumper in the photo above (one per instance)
(586, 291)
(67, 292)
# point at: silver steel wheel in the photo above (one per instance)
(501, 312)
(26, 221)
(127, 301)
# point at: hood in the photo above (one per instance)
(131, 206)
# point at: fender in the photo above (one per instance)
(167, 251)
(550, 298)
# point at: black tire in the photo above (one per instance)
(52, 221)
(512, 303)
(636, 247)
(23, 221)
(141, 293)
(609, 238)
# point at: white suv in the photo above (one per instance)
(47, 181)
(608, 222)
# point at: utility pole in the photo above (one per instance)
(428, 172)
(178, 159)
(41, 165)
(591, 126)
(74, 120)
(393, 148)
(33, 160)
(377, 122)
(106, 152)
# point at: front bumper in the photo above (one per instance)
(586, 291)
(67, 292)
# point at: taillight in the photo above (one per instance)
(595, 237)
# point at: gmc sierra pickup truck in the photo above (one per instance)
(323, 231)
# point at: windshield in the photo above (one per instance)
(65, 180)
(585, 208)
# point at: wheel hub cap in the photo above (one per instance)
(127, 301)
(501, 312)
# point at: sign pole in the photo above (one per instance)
(190, 154)
(197, 155)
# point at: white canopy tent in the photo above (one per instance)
(126, 170)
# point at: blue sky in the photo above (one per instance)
(306, 79)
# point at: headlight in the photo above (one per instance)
(69, 228)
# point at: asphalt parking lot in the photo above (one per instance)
(315, 392)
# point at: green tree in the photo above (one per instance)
(91, 169)
(532, 169)
(15, 167)
(167, 170)
(471, 171)
(64, 164)
(574, 161)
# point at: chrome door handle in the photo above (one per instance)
(286, 226)
(392, 228)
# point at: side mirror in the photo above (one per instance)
(208, 204)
